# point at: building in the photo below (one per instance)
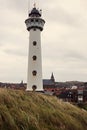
(34, 25)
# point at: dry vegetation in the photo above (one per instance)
(33, 111)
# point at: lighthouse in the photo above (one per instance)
(34, 24)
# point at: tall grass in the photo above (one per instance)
(21, 110)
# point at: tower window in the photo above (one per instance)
(34, 87)
(32, 20)
(36, 20)
(34, 43)
(34, 73)
(34, 29)
(34, 57)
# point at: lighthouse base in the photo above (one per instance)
(37, 91)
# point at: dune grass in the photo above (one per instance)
(21, 110)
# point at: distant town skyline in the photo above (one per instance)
(64, 39)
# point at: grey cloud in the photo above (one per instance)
(14, 4)
(74, 55)
(63, 17)
(15, 52)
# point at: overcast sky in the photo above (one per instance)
(64, 39)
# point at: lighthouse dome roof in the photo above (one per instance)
(35, 12)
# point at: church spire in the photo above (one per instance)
(52, 77)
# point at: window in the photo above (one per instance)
(36, 20)
(32, 20)
(34, 57)
(34, 73)
(34, 43)
(34, 87)
(34, 29)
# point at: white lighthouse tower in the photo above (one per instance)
(34, 25)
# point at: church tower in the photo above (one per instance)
(34, 25)
(52, 78)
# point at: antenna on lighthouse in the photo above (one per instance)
(34, 5)
(28, 6)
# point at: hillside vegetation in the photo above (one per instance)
(34, 111)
